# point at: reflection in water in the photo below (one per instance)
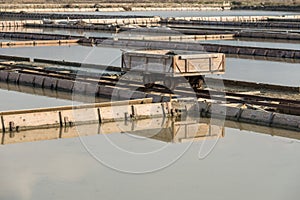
(162, 129)
(12, 99)
(38, 97)
(243, 166)
(181, 131)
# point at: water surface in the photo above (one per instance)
(243, 165)
(13, 100)
(261, 71)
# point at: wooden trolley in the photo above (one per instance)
(168, 66)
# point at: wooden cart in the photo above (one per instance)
(167, 66)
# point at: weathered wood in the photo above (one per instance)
(64, 85)
(27, 79)
(66, 116)
(14, 58)
(13, 77)
(37, 43)
(3, 76)
(115, 113)
(171, 63)
(123, 111)
(158, 129)
(151, 110)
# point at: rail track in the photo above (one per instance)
(274, 104)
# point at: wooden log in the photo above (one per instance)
(27, 79)
(39, 81)
(64, 85)
(50, 83)
(3, 76)
(13, 77)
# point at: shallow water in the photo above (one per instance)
(82, 54)
(271, 72)
(32, 98)
(5, 40)
(242, 165)
(12, 100)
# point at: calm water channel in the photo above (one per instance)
(242, 165)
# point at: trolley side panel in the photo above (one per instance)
(147, 63)
(175, 65)
(204, 64)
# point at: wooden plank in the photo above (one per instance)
(79, 116)
(96, 105)
(15, 122)
(200, 56)
(115, 113)
(151, 110)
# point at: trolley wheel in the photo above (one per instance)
(196, 82)
(170, 83)
(147, 81)
(200, 84)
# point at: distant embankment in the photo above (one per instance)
(290, 8)
(111, 7)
